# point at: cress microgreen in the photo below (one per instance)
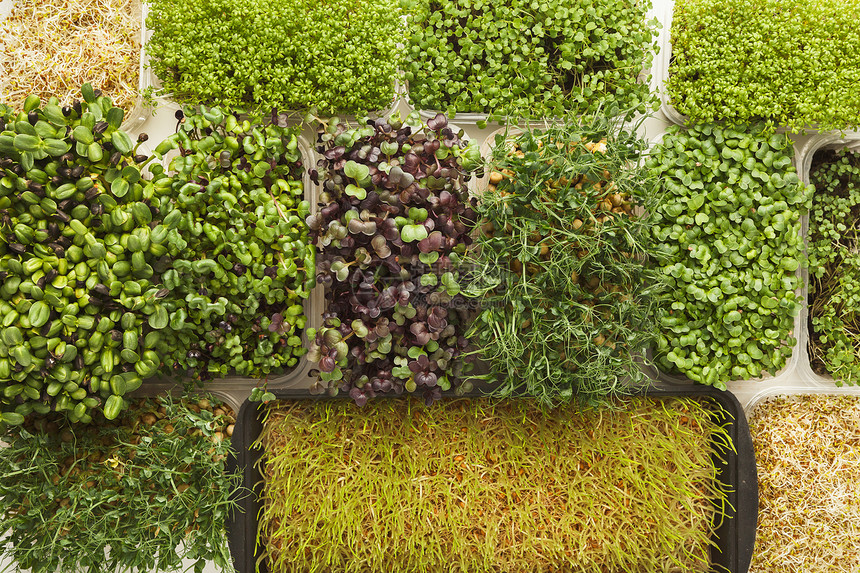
(337, 56)
(789, 62)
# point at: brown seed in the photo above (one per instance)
(496, 178)
(204, 404)
(616, 199)
(229, 430)
(577, 223)
(148, 419)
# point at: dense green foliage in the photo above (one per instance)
(566, 298)
(80, 303)
(139, 494)
(115, 269)
(728, 225)
(335, 56)
(238, 266)
(790, 62)
(834, 263)
(523, 58)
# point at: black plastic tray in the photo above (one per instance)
(735, 537)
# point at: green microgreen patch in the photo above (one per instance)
(337, 56)
(728, 224)
(789, 62)
(81, 307)
(566, 297)
(238, 266)
(140, 493)
(528, 59)
(834, 266)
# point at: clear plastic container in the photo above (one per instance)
(661, 68)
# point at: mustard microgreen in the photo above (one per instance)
(238, 266)
(728, 225)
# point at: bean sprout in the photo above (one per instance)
(52, 47)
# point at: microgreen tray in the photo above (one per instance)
(235, 389)
(804, 439)
(661, 68)
(735, 535)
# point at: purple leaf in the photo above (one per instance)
(335, 153)
(359, 397)
(327, 364)
(438, 123)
